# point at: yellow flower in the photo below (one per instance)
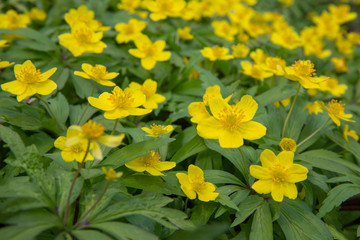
(120, 104)
(288, 144)
(344, 46)
(161, 9)
(274, 65)
(92, 133)
(198, 110)
(283, 102)
(336, 111)
(129, 31)
(331, 85)
(83, 15)
(240, 50)
(286, 3)
(286, 38)
(354, 37)
(30, 81)
(111, 174)
(278, 175)
(150, 163)
(342, 13)
(313, 107)
(258, 56)
(303, 72)
(5, 64)
(149, 52)
(184, 33)
(194, 184)
(37, 14)
(149, 90)
(97, 73)
(224, 29)
(349, 133)
(327, 25)
(157, 130)
(3, 43)
(74, 152)
(216, 53)
(231, 124)
(129, 5)
(82, 39)
(255, 71)
(340, 64)
(12, 20)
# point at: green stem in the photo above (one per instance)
(49, 109)
(289, 113)
(185, 205)
(73, 183)
(243, 160)
(313, 134)
(88, 104)
(93, 206)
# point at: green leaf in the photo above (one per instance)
(337, 195)
(193, 147)
(261, 227)
(219, 176)
(90, 235)
(202, 212)
(23, 232)
(210, 80)
(121, 230)
(207, 232)
(236, 198)
(275, 94)
(60, 107)
(246, 208)
(77, 110)
(298, 222)
(353, 146)
(13, 140)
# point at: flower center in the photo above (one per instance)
(217, 51)
(28, 75)
(256, 72)
(92, 130)
(121, 98)
(278, 173)
(99, 71)
(336, 107)
(304, 68)
(157, 129)
(129, 29)
(147, 90)
(77, 148)
(274, 62)
(165, 6)
(231, 118)
(287, 144)
(198, 184)
(152, 159)
(83, 35)
(149, 49)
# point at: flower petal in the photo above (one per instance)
(209, 128)
(162, 166)
(259, 172)
(249, 107)
(195, 173)
(44, 88)
(297, 173)
(111, 141)
(267, 158)
(217, 105)
(262, 186)
(228, 139)
(290, 190)
(46, 75)
(208, 193)
(277, 191)
(252, 130)
(286, 158)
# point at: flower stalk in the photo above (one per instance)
(289, 113)
(313, 134)
(87, 106)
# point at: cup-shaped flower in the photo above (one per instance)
(11, 20)
(161, 9)
(149, 89)
(129, 31)
(92, 133)
(73, 152)
(82, 14)
(240, 50)
(37, 14)
(340, 64)
(82, 39)
(274, 65)
(185, 33)
(231, 124)
(255, 71)
(149, 52)
(194, 184)
(349, 133)
(332, 85)
(216, 53)
(120, 103)
(303, 72)
(336, 111)
(225, 30)
(30, 81)
(5, 64)
(97, 73)
(157, 130)
(111, 174)
(150, 163)
(277, 175)
(314, 107)
(288, 144)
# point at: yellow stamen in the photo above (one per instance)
(304, 68)
(92, 130)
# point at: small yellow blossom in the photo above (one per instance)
(3, 43)
(344, 46)
(74, 152)
(231, 124)
(150, 163)
(288, 144)
(30, 81)
(82, 39)
(240, 50)
(303, 72)
(284, 102)
(225, 30)
(286, 3)
(336, 111)
(111, 174)
(131, 6)
(258, 56)
(342, 13)
(274, 65)
(349, 133)
(161, 9)
(354, 37)
(11, 20)
(149, 52)
(92, 133)
(194, 184)
(331, 85)
(157, 130)
(313, 107)
(83, 15)
(184, 33)
(286, 38)
(5, 64)
(327, 25)
(149, 90)
(255, 71)
(97, 73)
(216, 53)
(277, 175)
(37, 14)
(129, 31)
(340, 64)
